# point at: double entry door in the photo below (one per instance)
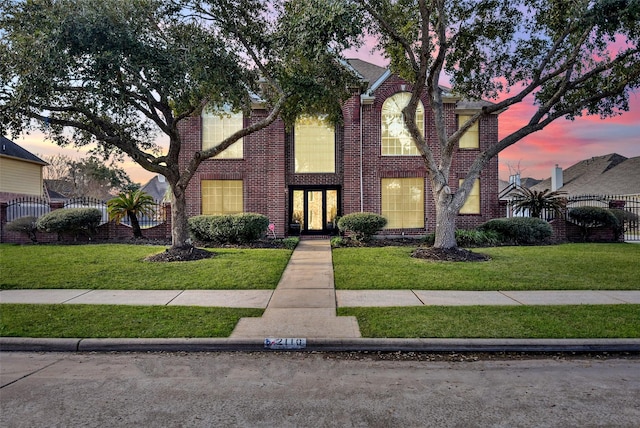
(314, 210)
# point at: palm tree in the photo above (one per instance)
(131, 205)
(537, 201)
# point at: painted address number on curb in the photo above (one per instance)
(288, 343)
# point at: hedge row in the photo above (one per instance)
(228, 229)
(68, 220)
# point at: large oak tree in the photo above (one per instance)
(568, 57)
(120, 73)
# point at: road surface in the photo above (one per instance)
(315, 390)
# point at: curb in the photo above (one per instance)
(22, 344)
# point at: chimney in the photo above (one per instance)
(515, 179)
(556, 178)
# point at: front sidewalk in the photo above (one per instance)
(343, 298)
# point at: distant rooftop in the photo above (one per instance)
(611, 174)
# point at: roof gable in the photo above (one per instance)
(10, 149)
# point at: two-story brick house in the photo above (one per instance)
(303, 178)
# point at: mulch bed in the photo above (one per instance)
(449, 255)
(181, 255)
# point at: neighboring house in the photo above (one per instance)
(304, 178)
(612, 174)
(158, 188)
(20, 172)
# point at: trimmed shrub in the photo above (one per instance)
(591, 217)
(290, 243)
(228, 229)
(199, 227)
(519, 230)
(26, 225)
(70, 220)
(362, 225)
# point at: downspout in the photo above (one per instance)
(361, 163)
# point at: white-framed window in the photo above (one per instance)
(217, 126)
(396, 140)
(221, 197)
(403, 202)
(315, 145)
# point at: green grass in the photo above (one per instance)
(115, 266)
(575, 321)
(555, 267)
(98, 321)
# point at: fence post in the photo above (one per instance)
(3, 219)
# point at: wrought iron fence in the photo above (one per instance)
(628, 203)
(147, 221)
(88, 202)
(27, 206)
(33, 206)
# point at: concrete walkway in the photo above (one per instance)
(304, 302)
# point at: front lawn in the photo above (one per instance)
(122, 267)
(99, 321)
(554, 267)
(558, 322)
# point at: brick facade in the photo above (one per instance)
(268, 174)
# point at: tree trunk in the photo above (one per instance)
(135, 225)
(446, 216)
(179, 225)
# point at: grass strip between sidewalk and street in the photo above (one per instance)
(122, 267)
(98, 321)
(107, 321)
(557, 322)
(551, 267)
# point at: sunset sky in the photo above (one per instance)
(563, 142)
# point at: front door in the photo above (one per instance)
(314, 210)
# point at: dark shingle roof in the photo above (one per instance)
(612, 174)
(10, 149)
(369, 72)
(156, 187)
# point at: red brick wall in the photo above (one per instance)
(261, 170)
(267, 169)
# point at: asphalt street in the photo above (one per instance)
(300, 389)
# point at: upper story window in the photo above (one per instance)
(216, 126)
(315, 145)
(471, 138)
(396, 140)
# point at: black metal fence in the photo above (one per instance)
(628, 203)
(27, 206)
(31, 206)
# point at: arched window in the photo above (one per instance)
(396, 140)
(216, 126)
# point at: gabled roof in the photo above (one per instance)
(370, 73)
(374, 76)
(156, 187)
(524, 182)
(611, 174)
(10, 149)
